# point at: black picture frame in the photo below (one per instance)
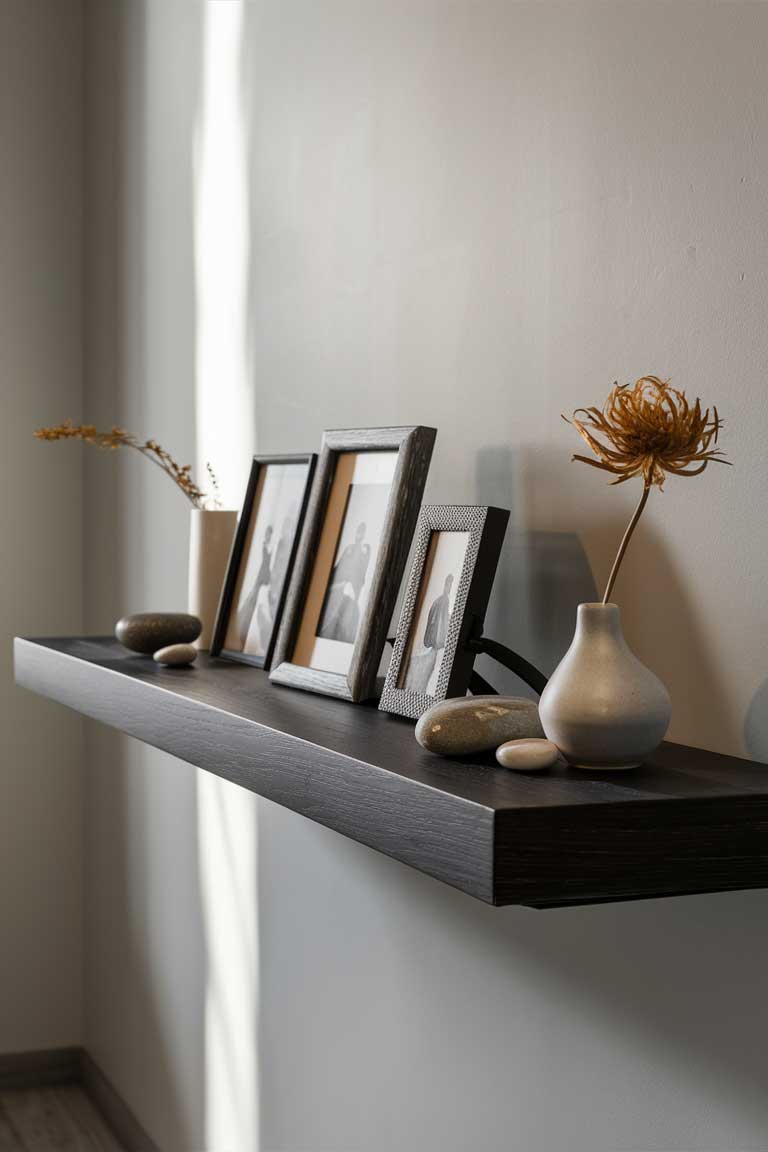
(414, 451)
(218, 644)
(485, 528)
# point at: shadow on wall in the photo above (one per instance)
(136, 987)
(667, 632)
(172, 897)
(655, 965)
(670, 1001)
(146, 960)
(486, 995)
(541, 578)
(756, 724)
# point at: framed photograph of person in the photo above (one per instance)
(358, 532)
(262, 558)
(454, 565)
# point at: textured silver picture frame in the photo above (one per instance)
(485, 527)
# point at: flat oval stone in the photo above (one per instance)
(176, 655)
(147, 631)
(467, 724)
(528, 755)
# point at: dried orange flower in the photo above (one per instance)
(119, 438)
(647, 429)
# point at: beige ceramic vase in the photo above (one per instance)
(602, 707)
(211, 532)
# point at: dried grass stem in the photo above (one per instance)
(181, 474)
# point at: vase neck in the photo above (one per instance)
(601, 621)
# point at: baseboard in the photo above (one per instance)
(41, 1069)
(113, 1108)
(52, 1066)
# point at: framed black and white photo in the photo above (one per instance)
(262, 558)
(358, 532)
(457, 550)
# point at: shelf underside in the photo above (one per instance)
(688, 821)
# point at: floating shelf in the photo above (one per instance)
(687, 821)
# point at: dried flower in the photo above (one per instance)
(647, 429)
(119, 438)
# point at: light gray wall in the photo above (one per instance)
(309, 215)
(41, 571)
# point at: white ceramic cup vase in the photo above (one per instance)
(211, 532)
(602, 707)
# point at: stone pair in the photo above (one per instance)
(510, 725)
(166, 636)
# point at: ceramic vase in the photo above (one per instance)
(602, 707)
(211, 532)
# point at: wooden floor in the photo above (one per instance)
(52, 1120)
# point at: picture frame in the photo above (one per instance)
(262, 558)
(454, 566)
(357, 535)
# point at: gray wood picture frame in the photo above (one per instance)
(414, 451)
(237, 556)
(485, 527)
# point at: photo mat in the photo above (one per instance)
(346, 560)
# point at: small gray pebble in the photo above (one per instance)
(176, 655)
(528, 755)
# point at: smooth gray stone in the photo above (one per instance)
(147, 631)
(467, 724)
(176, 655)
(529, 755)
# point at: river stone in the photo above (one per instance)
(176, 655)
(528, 755)
(147, 631)
(467, 724)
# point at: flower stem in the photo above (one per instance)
(625, 542)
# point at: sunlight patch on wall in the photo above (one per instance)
(225, 436)
(228, 882)
(225, 397)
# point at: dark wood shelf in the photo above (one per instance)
(688, 821)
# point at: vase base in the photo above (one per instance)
(605, 767)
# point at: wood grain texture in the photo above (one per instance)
(85, 1102)
(113, 1108)
(52, 1120)
(687, 821)
(312, 754)
(414, 447)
